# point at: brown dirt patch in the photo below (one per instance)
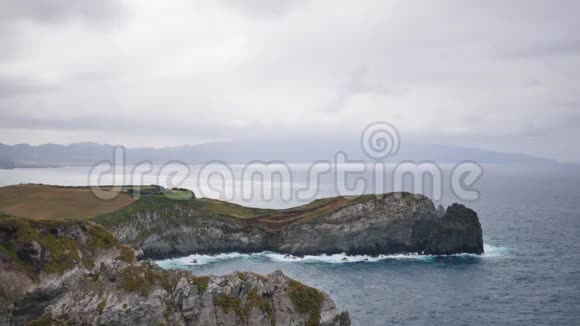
(43, 201)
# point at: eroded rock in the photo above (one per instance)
(372, 225)
(90, 278)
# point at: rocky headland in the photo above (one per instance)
(76, 272)
(392, 223)
(56, 271)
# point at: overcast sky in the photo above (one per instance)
(501, 75)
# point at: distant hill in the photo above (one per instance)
(290, 151)
(6, 163)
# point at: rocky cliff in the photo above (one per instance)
(370, 224)
(55, 273)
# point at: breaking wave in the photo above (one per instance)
(198, 260)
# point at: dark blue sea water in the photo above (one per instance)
(530, 275)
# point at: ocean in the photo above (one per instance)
(529, 275)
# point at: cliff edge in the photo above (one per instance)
(390, 223)
(55, 273)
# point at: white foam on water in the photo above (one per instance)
(339, 258)
(198, 260)
(491, 251)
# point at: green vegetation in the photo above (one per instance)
(244, 276)
(31, 237)
(142, 279)
(100, 238)
(141, 189)
(101, 306)
(176, 205)
(201, 282)
(242, 308)
(45, 320)
(178, 212)
(181, 194)
(222, 208)
(127, 255)
(62, 252)
(229, 303)
(46, 245)
(307, 300)
(49, 320)
(255, 300)
(138, 279)
(173, 194)
(215, 208)
(125, 214)
(175, 212)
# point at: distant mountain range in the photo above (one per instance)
(290, 151)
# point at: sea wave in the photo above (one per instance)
(198, 260)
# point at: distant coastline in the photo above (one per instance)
(294, 151)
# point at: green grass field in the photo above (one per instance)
(58, 202)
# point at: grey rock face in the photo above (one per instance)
(76, 273)
(143, 294)
(392, 223)
(458, 231)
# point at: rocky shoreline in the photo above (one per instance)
(82, 272)
(394, 223)
(55, 273)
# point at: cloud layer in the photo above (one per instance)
(497, 75)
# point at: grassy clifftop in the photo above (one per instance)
(208, 208)
(62, 203)
(54, 247)
(41, 201)
(34, 252)
(269, 219)
(55, 202)
(159, 202)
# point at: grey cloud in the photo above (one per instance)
(359, 82)
(352, 86)
(264, 8)
(10, 87)
(138, 126)
(28, 86)
(54, 11)
(546, 48)
(487, 72)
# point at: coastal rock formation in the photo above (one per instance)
(55, 273)
(373, 225)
